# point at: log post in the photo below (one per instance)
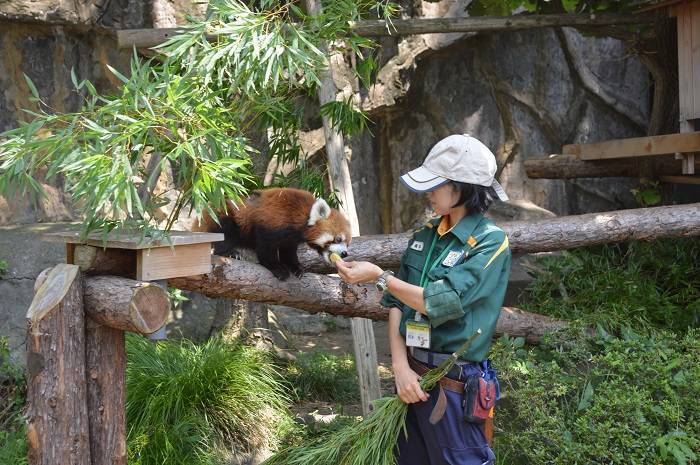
(339, 171)
(57, 415)
(114, 305)
(105, 349)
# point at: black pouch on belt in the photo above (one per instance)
(479, 398)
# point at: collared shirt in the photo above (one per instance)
(460, 296)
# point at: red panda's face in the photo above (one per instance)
(329, 231)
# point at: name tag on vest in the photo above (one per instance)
(453, 257)
(417, 245)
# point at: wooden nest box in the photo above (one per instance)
(124, 253)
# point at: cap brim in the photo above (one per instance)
(500, 192)
(422, 180)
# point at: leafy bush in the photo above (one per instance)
(186, 401)
(325, 377)
(13, 438)
(637, 284)
(3, 267)
(600, 399)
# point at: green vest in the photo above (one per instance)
(465, 290)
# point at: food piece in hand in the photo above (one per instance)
(334, 257)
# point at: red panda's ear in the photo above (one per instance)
(319, 211)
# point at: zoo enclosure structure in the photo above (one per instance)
(76, 322)
(76, 361)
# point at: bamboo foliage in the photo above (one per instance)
(195, 110)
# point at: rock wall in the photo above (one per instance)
(524, 96)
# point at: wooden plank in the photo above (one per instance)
(148, 38)
(694, 9)
(685, 76)
(132, 239)
(688, 164)
(167, 262)
(636, 147)
(680, 179)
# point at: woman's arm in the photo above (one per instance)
(407, 380)
(366, 272)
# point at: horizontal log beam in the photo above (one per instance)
(545, 235)
(570, 167)
(314, 293)
(636, 147)
(148, 38)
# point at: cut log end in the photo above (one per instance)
(148, 308)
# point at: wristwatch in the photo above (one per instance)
(381, 280)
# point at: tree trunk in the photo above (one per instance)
(560, 233)
(57, 415)
(314, 293)
(125, 304)
(241, 320)
(339, 172)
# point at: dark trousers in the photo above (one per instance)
(452, 441)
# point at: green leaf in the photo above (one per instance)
(32, 87)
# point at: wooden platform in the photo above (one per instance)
(132, 239)
(183, 253)
(667, 144)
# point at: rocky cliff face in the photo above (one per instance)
(524, 94)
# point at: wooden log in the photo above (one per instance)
(106, 393)
(545, 235)
(125, 304)
(148, 38)
(237, 279)
(570, 167)
(57, 416)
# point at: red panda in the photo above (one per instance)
(273, 222)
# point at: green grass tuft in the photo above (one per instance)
(320, 376)
(186, 401)
(13, 438)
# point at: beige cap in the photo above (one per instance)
(459, 157)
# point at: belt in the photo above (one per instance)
(445, 383)
(436, 358)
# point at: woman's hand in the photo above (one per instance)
(408, 386)
(358, 272)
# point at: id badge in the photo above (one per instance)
(418, 334)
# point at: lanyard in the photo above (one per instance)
(428, 269)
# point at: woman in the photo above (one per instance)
(451, 282)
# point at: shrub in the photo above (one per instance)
(638, 284)
(599, 399)
(186, 401)
(13, 438)
(324, 377)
